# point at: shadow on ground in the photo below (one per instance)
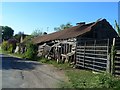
(9, 62)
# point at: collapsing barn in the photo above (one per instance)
(61, 45)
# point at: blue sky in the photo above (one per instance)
(28, 16)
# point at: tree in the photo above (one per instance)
(37, 32)
(31, 52)
(117, 28)
(7, 32)
(63, 26)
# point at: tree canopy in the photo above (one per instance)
(7, 32)
(63, 26)
(38, 32)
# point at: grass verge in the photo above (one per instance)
(79, 78)
(11, 54)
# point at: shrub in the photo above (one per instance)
(12, 43)
(31, 52)
(10, 48)
(4, 45)
(9, 45)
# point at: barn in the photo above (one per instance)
(61, 45)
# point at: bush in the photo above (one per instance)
(10, 48)
(31, 52)
(12, 43)
(9, 45)
(4, 45)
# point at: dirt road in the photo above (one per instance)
(19, 73)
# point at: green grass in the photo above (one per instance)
(0, 51)
(79, 78)
(87, 79)
(17, 55)
(12, 54)
(60, 66)
(3, 52)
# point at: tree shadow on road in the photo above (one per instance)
(9, 62)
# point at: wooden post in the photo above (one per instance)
(64, 48)
(108, 58)
(112, 57)
(94, 53)
(84, 55)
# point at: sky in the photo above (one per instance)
(29, 16)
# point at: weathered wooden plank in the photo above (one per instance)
(96, 62)
(79, 65)
(99, 70)
(80, 61)
(92, 50)
(79, 58)
(94, 65)
(117, 66)
(94, 69)
(99, 66)
(117, 60)
(91, 68)
(92, 54)
(116, 71)
(96, 58)
(89, 61)
(118, 52)
(79, 47)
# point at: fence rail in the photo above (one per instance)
(94, 55)
(116, 59)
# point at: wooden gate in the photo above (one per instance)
(116, 58)
(94, 55)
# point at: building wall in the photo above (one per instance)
(102, 30)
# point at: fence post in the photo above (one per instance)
(94, 54)
(108, 58)
(84, 55)
(112, 56)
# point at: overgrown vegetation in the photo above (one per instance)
(31, 52)
(4, 45)
(87, 79)
(60, 66)
(79, 78)
(9, 45)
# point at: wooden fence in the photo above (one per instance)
(94, 55)
(116, 57)
(99, 55)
